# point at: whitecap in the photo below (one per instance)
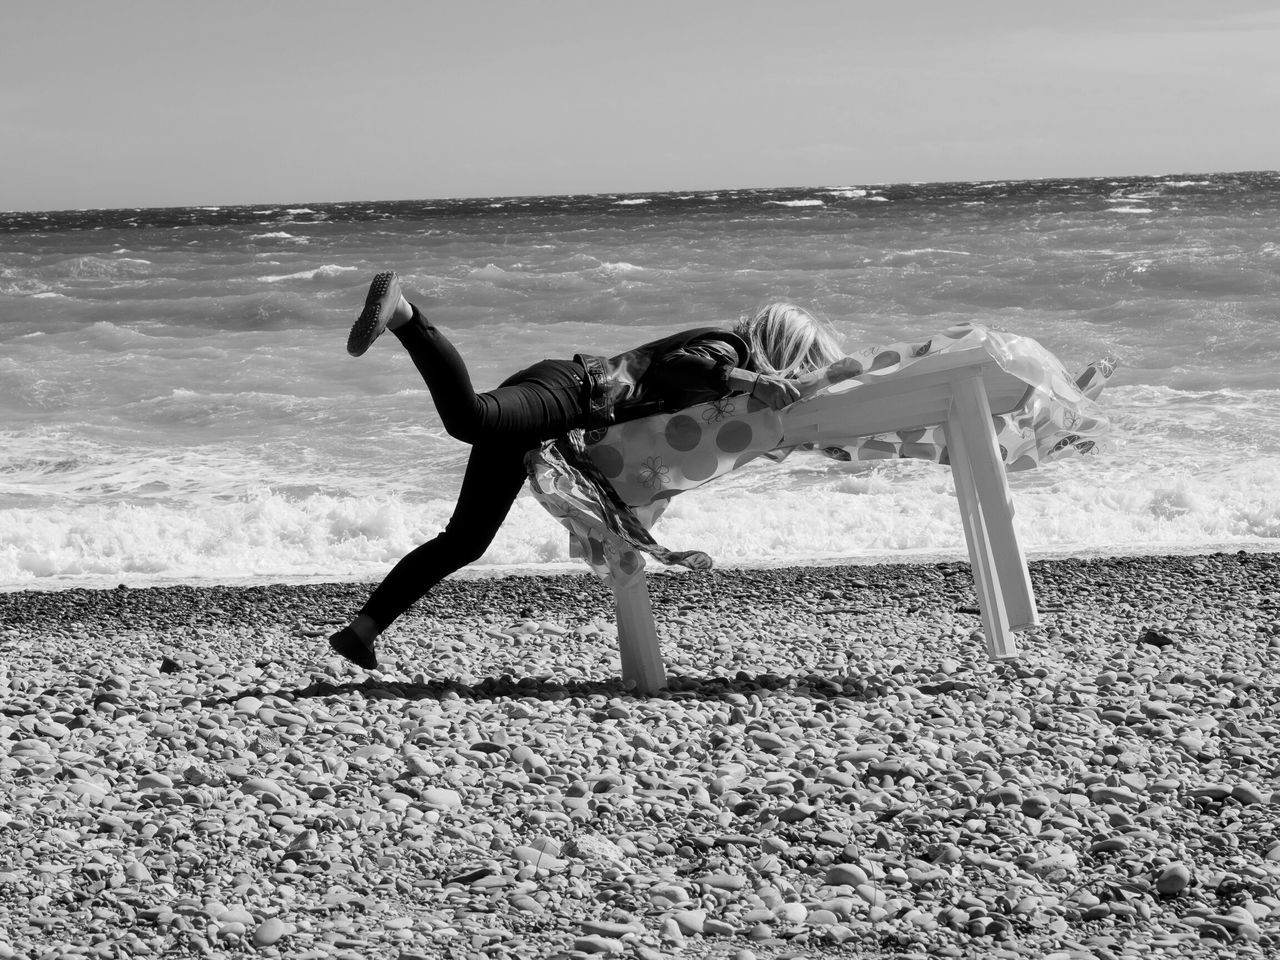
(295, 210)
(326, 272)
(620, 266)
(277, 235)
(630, 201)
(847, 193)
(811, 202)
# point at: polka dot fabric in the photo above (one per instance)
(655, 458)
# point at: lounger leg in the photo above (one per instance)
(995, 621)
(996, 500)
(638, 636)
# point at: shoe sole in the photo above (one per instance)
(373, 318)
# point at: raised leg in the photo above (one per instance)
(996, 503)
(637, 635)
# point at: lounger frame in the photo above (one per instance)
(960, 391)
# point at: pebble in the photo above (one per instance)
(442, 798)
(601, 945)
(262, 787)
(814, 792)
(846, 874)
(587, 846)
(539, 859)
(1247, 794)
(1173, 879)
(268, 932)
(723, 881)
(610, 929)
(791, 913)
(690, 921)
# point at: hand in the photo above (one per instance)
(775, 392)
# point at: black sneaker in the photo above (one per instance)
(347, 643)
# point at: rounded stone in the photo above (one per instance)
(596, 944)
(1173, 880)
(268, 932)
(846, 874)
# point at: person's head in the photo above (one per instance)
(788, 341)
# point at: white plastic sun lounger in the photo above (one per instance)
(961, 391)
(944, 400)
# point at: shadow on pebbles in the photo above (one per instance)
(836, 770)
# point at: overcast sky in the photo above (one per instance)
(176, 102)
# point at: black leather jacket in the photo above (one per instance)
(668, 374)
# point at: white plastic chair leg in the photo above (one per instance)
(976, 514)
(995, 622)
(996, 502)
(638, 635)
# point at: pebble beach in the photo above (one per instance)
(836, 769)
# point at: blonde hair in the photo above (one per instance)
(788, 341)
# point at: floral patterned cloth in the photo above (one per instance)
(608, 487)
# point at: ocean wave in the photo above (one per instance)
(24, 287)
(97, 268)
(928, 250)
(885, 511)
(326, 272)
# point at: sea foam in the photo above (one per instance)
(870, 513)
(326, 272)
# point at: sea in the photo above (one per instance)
(176, 402)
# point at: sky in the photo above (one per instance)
(184, 102)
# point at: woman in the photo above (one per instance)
(761, 356)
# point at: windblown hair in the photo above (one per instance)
(788, 341)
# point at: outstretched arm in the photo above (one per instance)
(774, 392)
(708, 367)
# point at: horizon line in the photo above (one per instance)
(645, 193)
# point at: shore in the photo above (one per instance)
(836, 769)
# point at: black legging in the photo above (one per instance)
(501, 425)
